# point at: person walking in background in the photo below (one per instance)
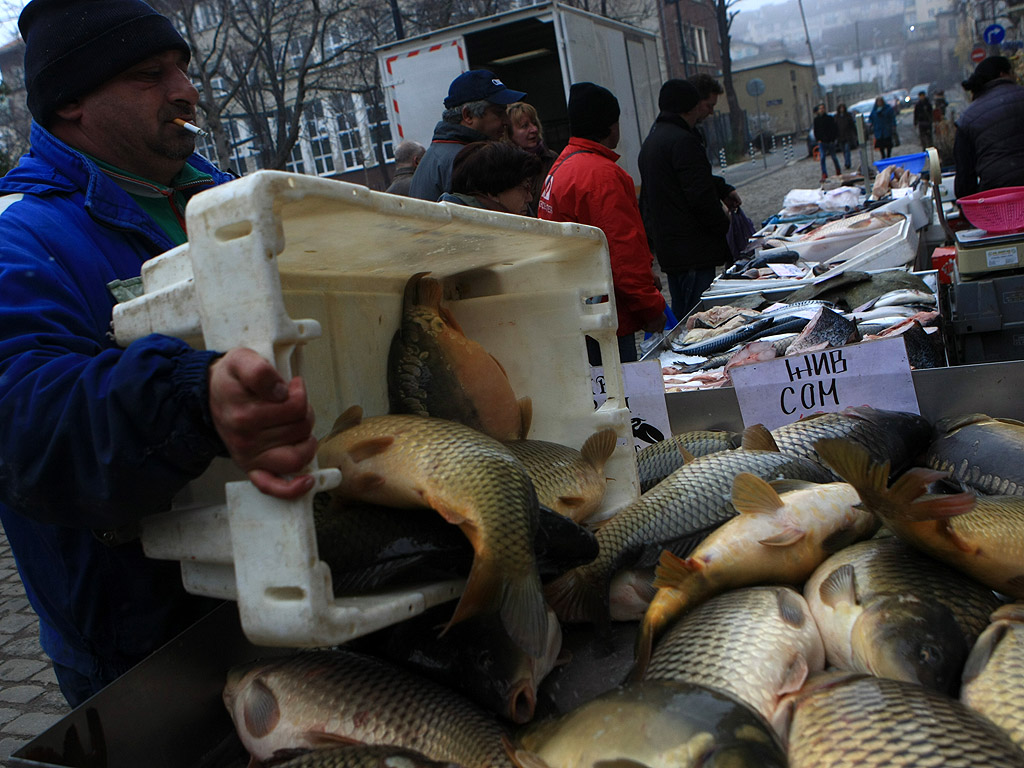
(940, 105)
(846, 133)
(682, 205)
(407, 156)
(827, 133)
(883, 125)
(474, 110)
(495, 176)
(94, 436)
(587, 187)
(525, 131)
(923, 119)
(989, 144)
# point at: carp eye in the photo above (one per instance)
(929, 654)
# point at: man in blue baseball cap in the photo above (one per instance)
(474, 110)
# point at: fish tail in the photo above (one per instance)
(482, 593)
(524, 613)
(577, 596)
(900, 502)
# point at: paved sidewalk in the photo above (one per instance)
(30, 700)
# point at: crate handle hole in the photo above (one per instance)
(289, 594)
(233, 231)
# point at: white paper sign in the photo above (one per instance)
(644, 390)
(781, 391)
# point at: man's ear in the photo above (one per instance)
(70, 111)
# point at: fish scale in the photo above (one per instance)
(748, 642)
(656, 462)
(872, 722)
(994, 674)
(683, 507)
(358, 698)
(981, 451)
(362, 756)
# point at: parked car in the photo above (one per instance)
(928, 88)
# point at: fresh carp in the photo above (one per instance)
(980, 451)
(435, 370)
(675, 514)
(783, 532)
(476, 657)
(893, 436)
(757, 644)
(472, 481)
(888, 610)
(363, 756)
(657, 724)
(322, 699)
(568, 481)
(843, 719)
(368, 547)
(980, 536)
(656, 462)
(994, 674)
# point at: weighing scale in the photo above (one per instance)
(978, 253)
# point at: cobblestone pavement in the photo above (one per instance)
(30, 701)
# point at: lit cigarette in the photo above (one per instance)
(189, 127)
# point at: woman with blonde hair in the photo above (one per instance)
(525, 131)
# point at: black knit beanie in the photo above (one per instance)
(74, 46)
(593, 110)
(987, 71)
(678, 96)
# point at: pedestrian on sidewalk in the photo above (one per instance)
(827, 133)
(923, 119)
(883, 125)
(847, 133)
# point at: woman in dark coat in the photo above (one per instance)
(847, 133)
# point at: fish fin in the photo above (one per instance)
(912, 484)
(365, 482)
(782, 717)
(840, 586)
(575, 598)
(983, 649)
(753, 496)
(260, 711)
(673, 569)
(687, 456)
(522, 758)
(350, 418)
(524, 613)
(944, 529)
(853, 463)
(788, 536)
(598, 448)
(429, 291)
(281, 756)
(757, 438)
(452, 515)
(367, 449)
(525, 416)
(795, 675)
(953, 423)
(321, 739)
(791, 607)
(482, 593)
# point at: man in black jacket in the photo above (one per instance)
(683, 204)
(826, 131)
(923, 119)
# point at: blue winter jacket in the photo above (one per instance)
(433, 175)
(92, 436)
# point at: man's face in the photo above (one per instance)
(491, 123)
(821, 109)
(706, 107)
(127, 120)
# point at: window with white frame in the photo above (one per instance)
(295, 163)
(380, 126)
(319, 132)
(348, 141)
(207, 16)
(698, 42)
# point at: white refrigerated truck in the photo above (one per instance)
(541, 49)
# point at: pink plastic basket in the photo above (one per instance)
(997, 211)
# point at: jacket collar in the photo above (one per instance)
(592, 146)
(674, 118)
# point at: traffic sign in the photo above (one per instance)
(755, 87)
(978, 55)
(993, 34)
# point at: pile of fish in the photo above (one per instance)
(834, 592)
(845, 310)
(698, 619)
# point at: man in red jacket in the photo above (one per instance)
(587, 187)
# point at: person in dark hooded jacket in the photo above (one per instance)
(684, 214)
(989, 144)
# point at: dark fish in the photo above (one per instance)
(843, 719)
(656, 462)
(435, 370)
(850, 288)
(924, 350)
(368, 547)
(322, 699)
(725, 340)
(656, 723)
(476, 658)
(980, 451)
(894, 436)
(675, 514)
(826, 329)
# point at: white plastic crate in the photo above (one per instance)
(310, 273)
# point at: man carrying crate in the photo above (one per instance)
(93, 436)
